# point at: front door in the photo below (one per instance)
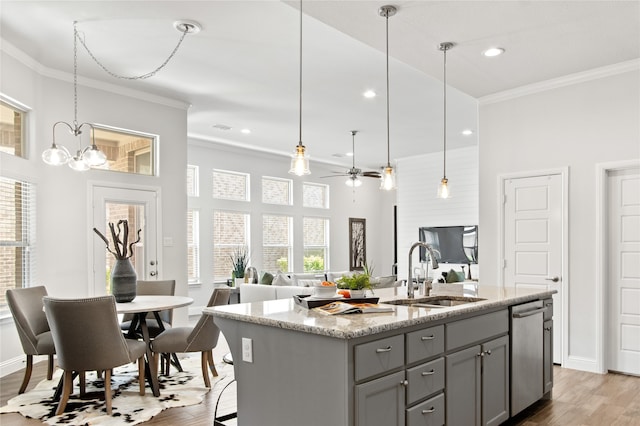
(139, 208)
(624, 271)
(533, 240)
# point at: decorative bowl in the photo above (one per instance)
(324, 291)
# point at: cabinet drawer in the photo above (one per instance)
(424, 380)
(429, 413)
(425, 344)
(379, 356)
(476, 329)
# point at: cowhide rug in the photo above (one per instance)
(128, 407)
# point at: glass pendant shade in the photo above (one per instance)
(56, 155)
(353, 182)
(77, 163)
(443, 188)
(299, 163)
(94, 157)
(388, 179)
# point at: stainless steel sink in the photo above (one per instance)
(435, 301)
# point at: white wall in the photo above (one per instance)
(63, 230)
(575, 126)
(418, 205)
(367, 202)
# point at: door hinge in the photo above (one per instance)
(504, 263)
(504, 198)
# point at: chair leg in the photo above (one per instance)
(212, 365)
(204, 364)
(166, 358)
(141, 377)
(27, 374)
(82, 382)
(107, 390)
(67, 386)
(50, 368)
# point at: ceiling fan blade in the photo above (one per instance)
(336, 175)
(371, 174)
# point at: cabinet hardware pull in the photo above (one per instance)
(404, 383)
(423, 338)
(429, 411)
(548, 304)
(428, 373)
(480, 354)
(528, 313)
(488, 352)
(387, 349)
(547, 328)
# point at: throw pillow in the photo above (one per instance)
(281, 279)
(266, 278)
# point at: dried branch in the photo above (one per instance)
(116, 239)
(135, 242)
(105, 241)
(121, 248)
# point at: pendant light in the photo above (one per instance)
(388, 178)
(300, 163)
(92, 156)
(443, 188)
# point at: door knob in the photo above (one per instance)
(554, 279)
(153, 273)
(152, 263)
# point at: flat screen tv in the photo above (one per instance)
(454, 244)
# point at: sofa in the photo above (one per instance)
(286, 286)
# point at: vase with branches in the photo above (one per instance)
(123, 275)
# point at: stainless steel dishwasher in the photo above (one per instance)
(527, 355)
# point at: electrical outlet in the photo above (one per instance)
(247, 349)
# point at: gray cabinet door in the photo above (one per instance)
(548, 356)
(380, 402)
(495, 381)
(463, 387)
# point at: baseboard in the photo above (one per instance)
(12, 365)
(582, 364)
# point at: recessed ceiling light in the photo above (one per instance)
(369, 94)
(493, 51)
(245, 131)
(467, 132)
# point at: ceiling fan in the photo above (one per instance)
(354, 173)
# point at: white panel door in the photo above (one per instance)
(624, 271)
(533, 240)
(139, 207)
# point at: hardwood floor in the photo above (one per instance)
(579, 398)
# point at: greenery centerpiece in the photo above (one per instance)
(123, 276)
(359, 281)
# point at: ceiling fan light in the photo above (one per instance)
(443, 188)
(388, 179)
(299, 163)
(353, 182)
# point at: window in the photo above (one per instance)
(316, 246)
(127, 151)
(12, 125)
(315, 195)
(193, 189)
(230, 231)
(276, 191)
(193, 245)
(17, 235)
(277, 244)
(230, 185)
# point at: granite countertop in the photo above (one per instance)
(286, 314)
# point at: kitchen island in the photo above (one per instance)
(415, 365)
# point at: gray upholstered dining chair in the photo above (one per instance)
(203, 337)
(30, 320)
(87, 337)
(153, 288)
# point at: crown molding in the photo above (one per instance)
(44, 71)
(568, 80)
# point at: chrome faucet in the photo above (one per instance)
(434, 265)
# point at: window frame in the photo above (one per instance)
(325, 248)
(247, 242)
(195, 244)
(247, 198)
(289, 246)
(326, 205)
(277, 179)
(153, 149)
(24, 125)
(195, 180)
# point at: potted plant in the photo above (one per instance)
(123, 276)
(357, 283)
(239, 261)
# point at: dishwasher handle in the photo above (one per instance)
(528, 313)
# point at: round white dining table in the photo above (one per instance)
(140, 307)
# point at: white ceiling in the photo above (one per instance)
(242, 69)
